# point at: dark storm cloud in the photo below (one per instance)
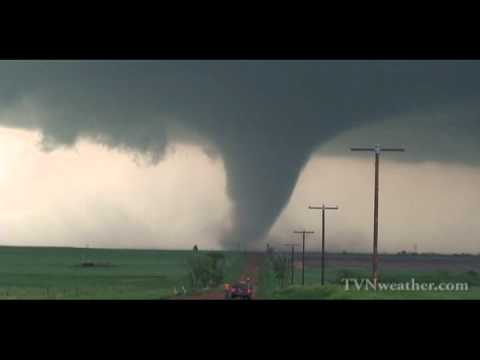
(264, 118)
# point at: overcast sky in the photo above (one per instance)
(167, 154)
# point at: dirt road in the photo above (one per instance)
(252, 271)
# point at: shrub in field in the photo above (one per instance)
(206, 270)
(216, 266)
(280, 269)
(278, 265)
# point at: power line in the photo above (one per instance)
(303, 252)
(292, 262)
(377, 150)
(323, 208)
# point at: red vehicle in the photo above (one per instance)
(239, 290)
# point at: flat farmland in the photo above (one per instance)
(394, 269)
(75, 273)
(420, 262)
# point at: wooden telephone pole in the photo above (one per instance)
(377, 150)
(303, 232)
(323, 208)
(292, 262)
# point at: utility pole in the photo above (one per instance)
(292, 262)
(303, 251)
(323, 208)
(377, 150)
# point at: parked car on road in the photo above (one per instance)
(239, 290)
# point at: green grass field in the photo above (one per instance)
(55, 273)
(335, 288)
(337, 292)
